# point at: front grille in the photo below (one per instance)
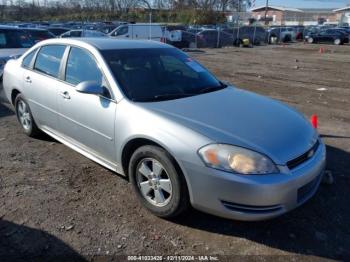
(305, 191)
(251, 209)
(304, 157)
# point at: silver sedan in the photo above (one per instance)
(148, 111)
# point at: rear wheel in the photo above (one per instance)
(25, 117)
(158, 184)
(310, 40)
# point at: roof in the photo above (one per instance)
(9, 27)
(109, 43)
(347, 8)
(278, 8)
(317, 10)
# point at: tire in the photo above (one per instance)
(310, 40)
(25, 117)
(337, 41)
(287, 39)
(146, 184)
(273, 40)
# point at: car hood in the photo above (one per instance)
(237, 117)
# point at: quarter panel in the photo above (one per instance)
(12, 78)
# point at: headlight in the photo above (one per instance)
(236, 159)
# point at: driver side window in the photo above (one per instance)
(81, 67)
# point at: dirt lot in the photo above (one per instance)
(55, 202)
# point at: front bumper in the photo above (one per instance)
(256, 197)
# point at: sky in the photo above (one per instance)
(306, 3)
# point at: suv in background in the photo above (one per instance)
(39, 35)
(13, 43)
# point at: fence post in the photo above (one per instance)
(254, 35)
(280, 35)
(218, 39)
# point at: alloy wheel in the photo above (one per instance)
(24, 115)
(154, 182)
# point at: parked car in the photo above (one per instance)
(211, 38)
(13, 43)
(332, 36)
(281, 34)
(345, 30)
(139, 31)
(181, 38)
(57, 31)
(39, 34)
(150, 112)
(299, 31)
(255, 34)
(83, 33)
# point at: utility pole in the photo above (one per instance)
(266, 10)
(150, 17)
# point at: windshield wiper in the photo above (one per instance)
(162, 97)
(171, 96)
(212, 89)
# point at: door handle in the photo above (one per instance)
(65, 95)
(28, 79)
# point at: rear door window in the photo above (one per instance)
(49, 59)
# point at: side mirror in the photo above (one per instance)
(90, 87)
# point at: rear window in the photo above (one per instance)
(49, 60)
(28, 59)
(15, 39)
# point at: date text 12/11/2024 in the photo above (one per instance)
(173, 258)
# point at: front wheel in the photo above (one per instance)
(337, 42)
(310, 40)
(25, 117)
(159, 185)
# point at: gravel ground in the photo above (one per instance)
(55, 203)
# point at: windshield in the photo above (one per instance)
(156, 74)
